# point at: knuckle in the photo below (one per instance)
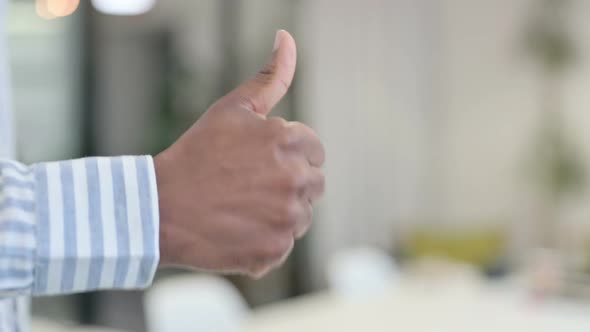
(295, 130)
(291, 213)
(317, 147)
(288, 215)
(290, 133)
(276, 124)
(277, 131)
(277, 249)
(283, 138)
(302, 129)
(296, 125)
(294, 179)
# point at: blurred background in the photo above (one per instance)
(457, 135)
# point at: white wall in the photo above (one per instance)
(365, 92)
(427, 109)
(490, 104)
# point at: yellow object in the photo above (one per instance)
(477, 247)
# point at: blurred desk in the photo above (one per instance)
(422, 307)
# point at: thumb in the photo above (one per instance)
(261, 93)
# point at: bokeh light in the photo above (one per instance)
(50, 9)
(123, 7)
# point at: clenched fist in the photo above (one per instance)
(236, 190)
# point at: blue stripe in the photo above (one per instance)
(16, 226)
(120, 200)
(15, 273)
(12, 182)
(69, 215)
(20, 204)
(147, 219)
(95, 215)
(43, 240)
(17, 252)
(20, 169)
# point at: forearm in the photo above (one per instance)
(83, 225)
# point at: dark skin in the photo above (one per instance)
(237, 189)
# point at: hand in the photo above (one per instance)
(237, 188)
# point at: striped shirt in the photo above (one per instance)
(71, 226)
(75, 226)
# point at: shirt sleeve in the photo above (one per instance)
(78, 225)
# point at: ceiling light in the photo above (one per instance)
(123, 7)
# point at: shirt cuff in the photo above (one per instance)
(97, 224)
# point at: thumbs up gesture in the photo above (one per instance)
(236, 190)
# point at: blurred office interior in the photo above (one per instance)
(457, 137)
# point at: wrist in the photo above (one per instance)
(163, 183)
